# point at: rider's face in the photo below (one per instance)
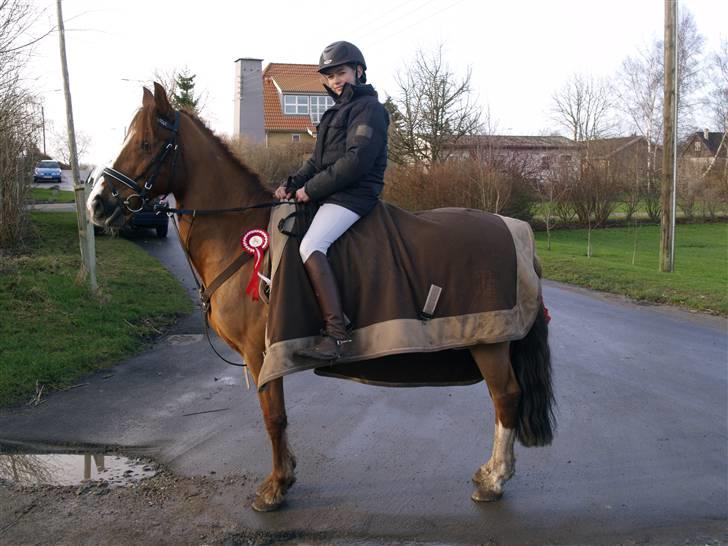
(340, 75)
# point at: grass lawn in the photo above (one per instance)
(700, 280)
(52, 330)
(50, 195)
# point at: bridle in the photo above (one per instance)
(170, 146)
(140, 194)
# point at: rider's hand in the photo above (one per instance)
(302, 196)
(282, 193)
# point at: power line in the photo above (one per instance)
(369, 36)
(361, 30)
(400, 30)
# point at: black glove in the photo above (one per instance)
(290, 186)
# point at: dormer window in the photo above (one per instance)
(319, 105)
(313, 105)
(295, 104)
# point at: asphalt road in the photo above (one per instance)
(640, 456)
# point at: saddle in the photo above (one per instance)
(419, 289)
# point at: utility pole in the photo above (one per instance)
(85, 228)
(42, 118)
(669, 141)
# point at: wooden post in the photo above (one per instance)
(669, 113)
(85, 228)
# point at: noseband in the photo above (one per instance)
(170, 146)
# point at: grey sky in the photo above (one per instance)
(520, 51)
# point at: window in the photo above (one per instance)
(697, 145)
(319, 105)
(295, 137)
(295, 104)
(313, 105)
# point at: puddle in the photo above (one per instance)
(65, 469)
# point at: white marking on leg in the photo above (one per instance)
(492, 476)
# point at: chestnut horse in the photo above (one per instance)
(166, 151)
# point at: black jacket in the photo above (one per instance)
(348, 162)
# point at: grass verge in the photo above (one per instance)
(52, 330)
(700, 279)
(51, 195)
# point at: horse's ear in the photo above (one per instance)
(160, 98)
(147, 99)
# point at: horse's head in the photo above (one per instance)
(144, 168)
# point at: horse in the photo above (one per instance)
(177, 154)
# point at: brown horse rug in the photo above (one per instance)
(418, 289)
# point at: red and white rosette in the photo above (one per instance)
(255, 242)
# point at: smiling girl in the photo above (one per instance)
(344, 175)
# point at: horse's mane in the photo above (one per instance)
(254, 176)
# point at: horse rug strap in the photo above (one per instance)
(433, 283)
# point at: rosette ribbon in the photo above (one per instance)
(255, 242)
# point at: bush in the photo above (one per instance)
(498, 187)
(273, 163)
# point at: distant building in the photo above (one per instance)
(540, 154)
(623, 157)
(706, 150)
(282, 103)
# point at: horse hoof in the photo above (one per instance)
(261, 505)
(485, 495)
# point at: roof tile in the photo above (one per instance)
(290, 78)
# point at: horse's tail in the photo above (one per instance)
(531, 361)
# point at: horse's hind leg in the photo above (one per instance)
(271, 492)
(495, 366)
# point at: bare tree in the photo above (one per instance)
(434, 109)
(554, 195)
(19, 122)
(640, 80)
(61, 151)
(690, 69)
(582, 107)
(717, 100)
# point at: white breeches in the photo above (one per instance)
(330, 223)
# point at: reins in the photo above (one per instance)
(164, 209)
(205, 293)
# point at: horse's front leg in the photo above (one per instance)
(271, 492)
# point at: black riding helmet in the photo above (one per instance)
(340, 53)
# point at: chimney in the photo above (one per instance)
(706, 133)
(248, 99)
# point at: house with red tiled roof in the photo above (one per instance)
(282, 103)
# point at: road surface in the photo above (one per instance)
(640, 456)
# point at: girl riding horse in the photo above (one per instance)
(345, 174)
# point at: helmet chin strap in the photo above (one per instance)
(357, 79)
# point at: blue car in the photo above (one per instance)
(47, 171)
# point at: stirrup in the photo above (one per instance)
(339, 342)
(331, 354)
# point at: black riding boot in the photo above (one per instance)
(327, 293)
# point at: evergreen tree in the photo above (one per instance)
(184, 95)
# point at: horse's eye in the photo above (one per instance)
(146, 146)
